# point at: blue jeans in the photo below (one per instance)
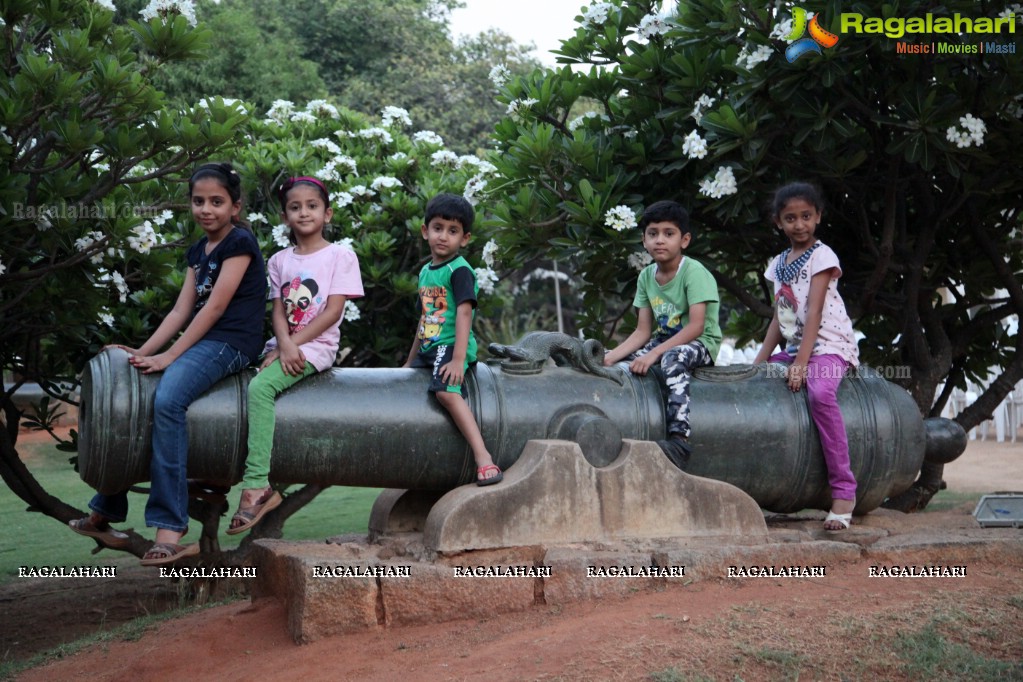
(187, 378)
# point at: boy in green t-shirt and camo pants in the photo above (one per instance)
(677, 319)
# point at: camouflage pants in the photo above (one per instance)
(678, 365)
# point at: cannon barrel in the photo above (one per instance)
(380, 428)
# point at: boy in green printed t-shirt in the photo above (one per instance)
(677, 300)
(444, 340)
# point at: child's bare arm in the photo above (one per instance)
(814, 313)
(692, 331)
(635, 340)
(771, 340)
(453, 372)
(175, 320)
(293, 360)
(231, 274)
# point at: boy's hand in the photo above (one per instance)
(796, 377)
(643, 363)
(452, 373)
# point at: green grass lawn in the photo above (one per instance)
(32, 539)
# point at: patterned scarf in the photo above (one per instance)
(786, 274)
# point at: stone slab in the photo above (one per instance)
(552, 495)
(431, 592)
(581, 574)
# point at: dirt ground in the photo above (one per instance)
(842, 626)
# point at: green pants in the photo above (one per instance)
(263, 391)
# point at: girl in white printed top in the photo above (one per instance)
(816, 335)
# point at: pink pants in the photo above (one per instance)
(823, 375)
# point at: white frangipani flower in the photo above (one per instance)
(391, 114)
(302, 117)
(280, 235)
(87, 241)
(321, 108)
(444, 157)
(427, 137)
(165, 215)
(486, 278)
(694, 146)
(342, 199)
(652, 25)
(499, 75)
(782, 29)
(620, 218)
(704, 102)
(596, 14)
(326, 143)
(379, 133)
(143, 238)
(474, 186)
(43, 221)
(118, 281)
(723, 184)
(749, 60)
(516, 105)
(489, 249)
(640, 260)
(280, 110)
(385, 182)
(163, 9)
(361, 191)
(972, 133)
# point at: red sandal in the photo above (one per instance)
(496, 478)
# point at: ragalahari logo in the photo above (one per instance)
(818, 36)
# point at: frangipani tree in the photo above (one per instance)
(89, 159)
(93, 205)
(380, 175)
(915, 155)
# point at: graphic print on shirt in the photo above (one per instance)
(788, 316)
(301, 303)
(668, 317)
(204, 284)
(435, 308)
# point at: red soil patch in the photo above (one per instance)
(754, 628)
(845, 625)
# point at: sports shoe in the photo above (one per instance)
(677, 450)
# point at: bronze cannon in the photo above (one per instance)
(380, 427)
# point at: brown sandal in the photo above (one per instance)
(167, 553)
(250, 516)
(102, 532)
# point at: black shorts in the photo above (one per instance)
(435, 358)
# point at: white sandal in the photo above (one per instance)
(844, 519)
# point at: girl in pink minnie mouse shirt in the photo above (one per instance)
(310, 283)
